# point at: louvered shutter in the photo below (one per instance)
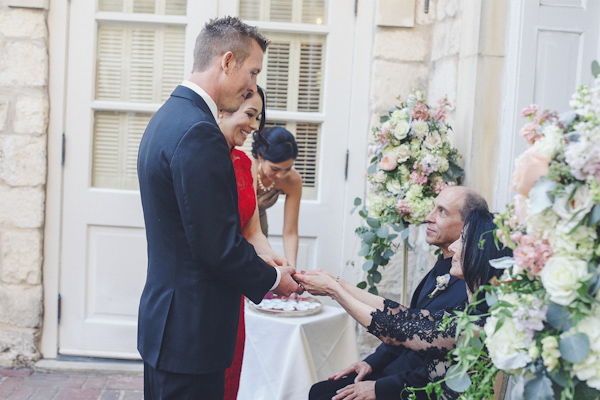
(134, 65)
(158, 7)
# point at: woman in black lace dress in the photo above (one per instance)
(418, 330)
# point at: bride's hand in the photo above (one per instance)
(317, 282)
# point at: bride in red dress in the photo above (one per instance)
(237, 127)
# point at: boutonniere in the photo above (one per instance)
(441, 283)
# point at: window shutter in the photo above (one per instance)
(159, 7)
(117, 137)
(250, 10)
(277, 72)
(281, 11)
(310, 79)
(307, 137)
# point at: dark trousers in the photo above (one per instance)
(325, 390)
(162, 385)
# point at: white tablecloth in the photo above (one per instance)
(283, 357)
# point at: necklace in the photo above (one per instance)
(260, 184)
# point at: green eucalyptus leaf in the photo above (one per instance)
(357, 201)
(372, 169)
(539, 388)
(595, 68)
(373, 222)
(491, 298)
(584, 392)
(574, 348)
(392, 236)
(383, 232)
(370, 279)
(377, 259)
(373, 290)
(457, 379)
(405, 233)
(595, 215)
(364, 250)
(558, 316)
(361, 285)
(560, 377)
(388, 254)
(398, 227)
(367, 265)
(369, 237)
(540, 196)
(376, 276)
(384, 118)
(362, 214)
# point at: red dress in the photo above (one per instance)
(247, 206)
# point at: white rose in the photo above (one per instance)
(541, 223)
(442, 128)
(400, 115)
(580, 243)
(401, 130)
(575, 209)
(402, 153)
(433, 141)
(550, 143)
(560, 276)
(379, 176)
(508, 346)
(393, 186)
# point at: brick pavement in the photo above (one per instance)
(25, 384)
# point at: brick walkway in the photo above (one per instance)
(24, 384)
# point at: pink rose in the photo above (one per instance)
(530, 110)
(388, 163)
(403, 207)
(530, 167)
(420, 111)
(521, 208)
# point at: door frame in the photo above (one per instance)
(359, 114)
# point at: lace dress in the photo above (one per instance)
(419, 331)
(247, 206)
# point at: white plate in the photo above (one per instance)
(284, 307)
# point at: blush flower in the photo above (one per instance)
(388, 163)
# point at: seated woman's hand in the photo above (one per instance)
(317, 282)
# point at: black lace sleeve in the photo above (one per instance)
(418, 330)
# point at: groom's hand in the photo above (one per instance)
(287, 285)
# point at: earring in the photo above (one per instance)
(219, 119)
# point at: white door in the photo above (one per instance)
(125, 57)
(551, 46)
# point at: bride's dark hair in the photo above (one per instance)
(257, 135)
(479, 226)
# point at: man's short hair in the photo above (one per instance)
(221, 35)
(472, 201)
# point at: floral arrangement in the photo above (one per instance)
(544, 320)
(412, 161)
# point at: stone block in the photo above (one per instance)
(393, 79)
(446, 38)
(31, 115)
(18, 348)
(446, 9)
(21, 252)
(22, 207)
(23, 160)
(3, 114)
(443, 81)
(423, 18)
(397, 44)
(23, 64)
(21, 305)
(23, 23)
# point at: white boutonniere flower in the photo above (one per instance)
(441, 283)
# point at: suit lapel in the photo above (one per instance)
(427, 300)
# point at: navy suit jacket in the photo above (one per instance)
(199, 265)
(398, 366)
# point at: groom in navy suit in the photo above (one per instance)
(384, 374)
(199, 265)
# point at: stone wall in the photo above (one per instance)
(23, 133)
(425, 57)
